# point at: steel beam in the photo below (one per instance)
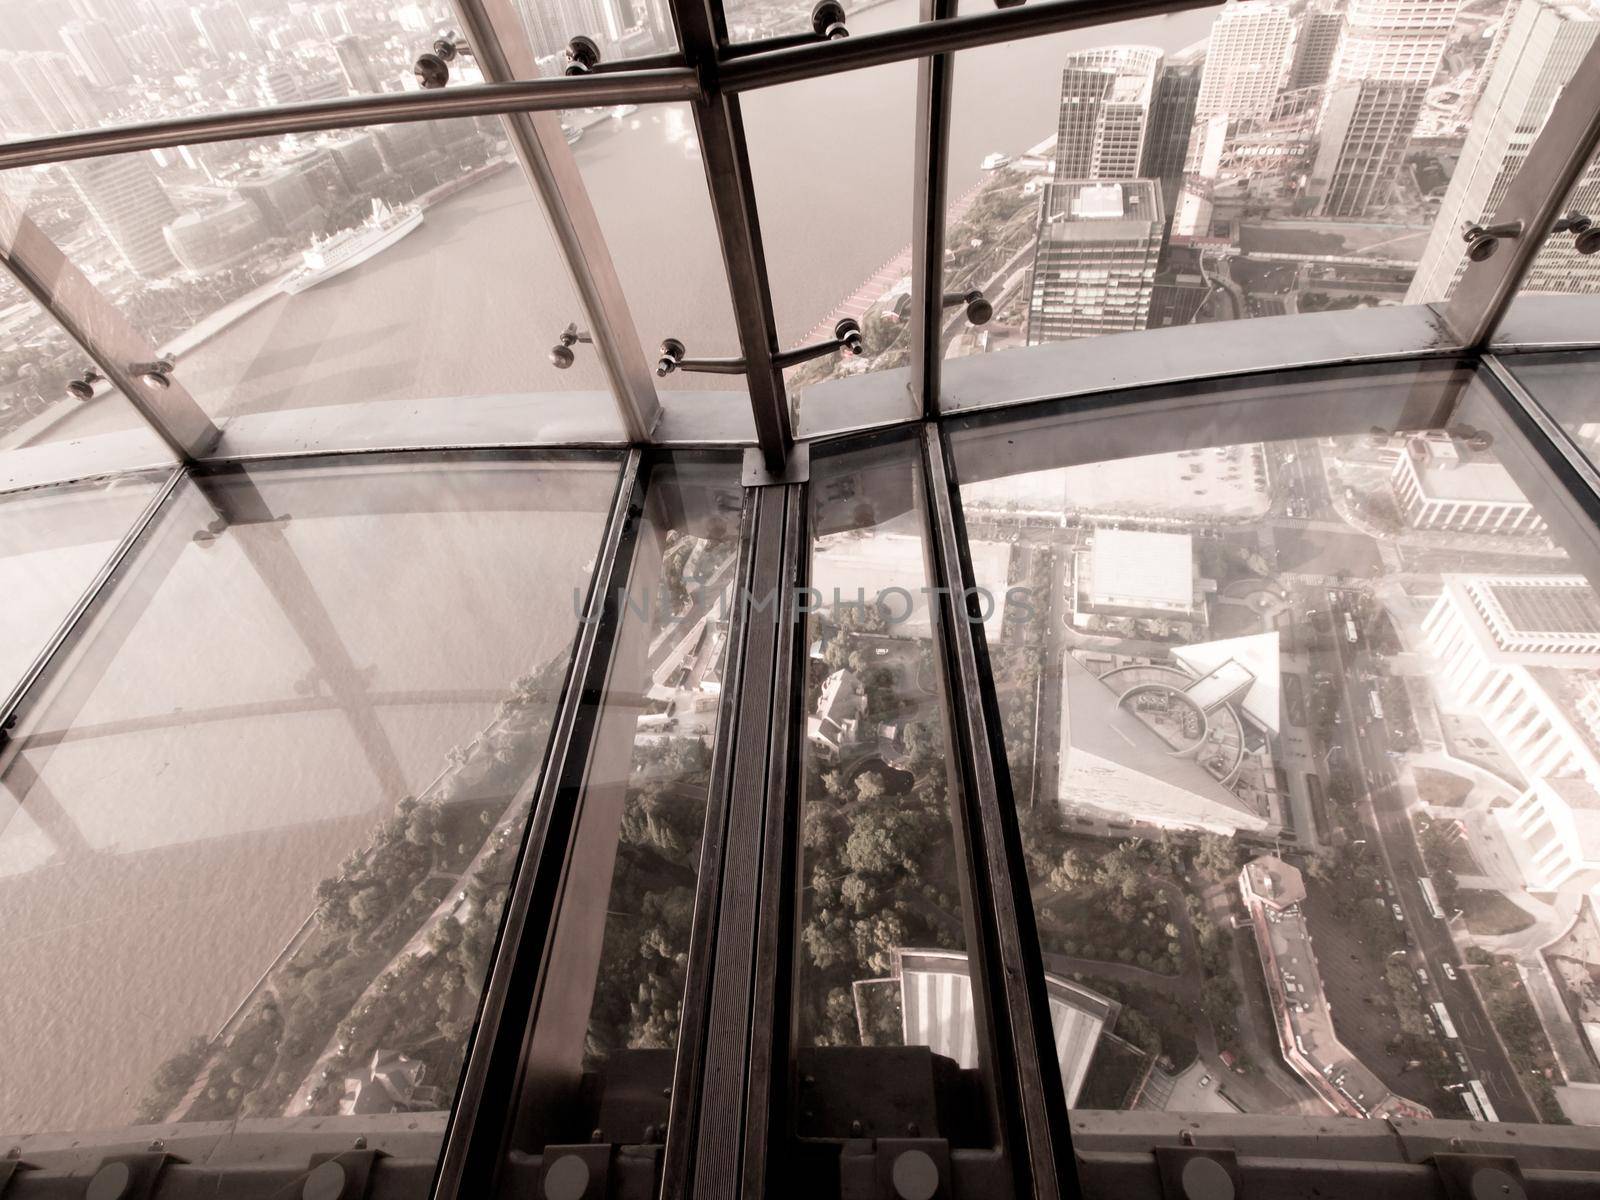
(708, 1080)
(1535, 197)
(106, 335)
(500, 46)
(1007, 965)
(720, 126)
(661, 85)
(930, 180)
(477, 1135)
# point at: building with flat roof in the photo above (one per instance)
(937, 1011)
(1135, 572)
(1272, 892)
(1094, 267)
(1441, 482)
(866, 569)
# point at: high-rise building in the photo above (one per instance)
(1388, 53)
(1246, 60)
(278, 84)
(1094, 267)
(355, 63)
(225, 31)
(1540, 49)
(1315, 44)
(56, 88)
(1105, 112)
(125, 198)
(94, 50)
(1166, 142)
(553, 23)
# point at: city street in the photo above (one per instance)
(1383, 812)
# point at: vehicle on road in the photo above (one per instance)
(1398, 915)
(1205, 1081)
(1446, 1025)
(1449, 971)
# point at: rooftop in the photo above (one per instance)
(1134, 568)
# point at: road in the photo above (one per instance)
(1383, 811)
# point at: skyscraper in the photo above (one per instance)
(42, 93)
(1539, 51)
(1105, 112)
(1388, 54)
(1095, 265)
(94, 49)
(1166, 142)
(129, 205)
(225, 31)
(355, 64)
(1245, 61)
(1315, 44)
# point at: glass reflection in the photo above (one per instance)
(620, 951)
(1563, 385)
(257, 826)
(53, 541)
(883, 928)
(37, 413)
(323, 271)
(1298, 720)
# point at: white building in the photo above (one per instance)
(937, 1011)
(1136, 572)
(1553, 831)
(1440, 482)
(1522, 654)
(840, 708)
(1248, 55)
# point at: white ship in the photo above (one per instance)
(348, 248)
(995, 161)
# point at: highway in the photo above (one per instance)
(1384, 814)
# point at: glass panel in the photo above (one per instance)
(886, 1017)
(1563, 385)
(1249, 160)
(666, 252)
(831, 159)
(257, 830)
(105, 62)
(603, 1045)
(53, 541)
(407, 269)
(620, 29)
(1297, 685)
(750, 20)
(41, 425)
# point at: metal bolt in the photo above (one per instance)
(855, 1129)
(361, 1143)
(1186, 1137)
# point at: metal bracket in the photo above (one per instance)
(129, 1176)
(579, 1172)
(1480, 1177)
(913, 1168)
(9, 1168)
(796, 468)
(343, 1176)
(1190, 1174)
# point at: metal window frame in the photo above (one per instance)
(711, 74)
